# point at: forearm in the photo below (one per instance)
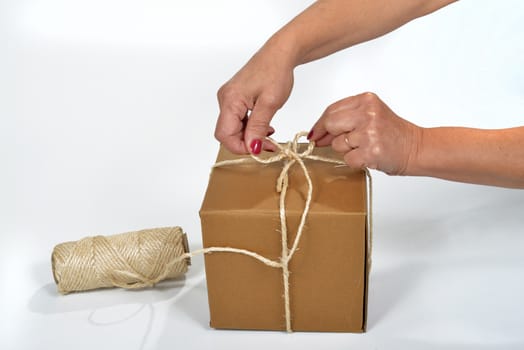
(328, 26)
(489, 157)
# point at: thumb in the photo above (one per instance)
(257, 128)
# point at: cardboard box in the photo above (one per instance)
(329, 272)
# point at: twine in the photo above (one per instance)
(129, 260)
(290, 155)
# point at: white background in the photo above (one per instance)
(107, 116)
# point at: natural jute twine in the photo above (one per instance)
(128, 260)
(290, 154)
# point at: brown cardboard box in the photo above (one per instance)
(328, 274)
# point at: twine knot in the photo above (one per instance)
(289, 152)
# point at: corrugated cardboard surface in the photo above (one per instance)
(328, 272)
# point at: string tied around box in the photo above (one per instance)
(288, 153)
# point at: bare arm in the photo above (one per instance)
(370, 135)
(329, 26)
(264, 84)
(489, 157)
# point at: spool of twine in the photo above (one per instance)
(127, 260)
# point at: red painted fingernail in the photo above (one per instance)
(310, 135)
(270, 133)
(256, 146)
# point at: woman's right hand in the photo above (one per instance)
(249, 100)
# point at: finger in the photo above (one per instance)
(325, 140)
(270, 132)
(258, 126)
(230, 133)
(333, 112)
(359, 158)
(342, 143)
(267, 145)
(356, 159)
(230, 124)
(343, 122)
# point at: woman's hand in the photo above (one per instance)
(250, 99)
(368, 134)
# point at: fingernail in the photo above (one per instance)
(256, 146)
(310, 135)
(271, 133)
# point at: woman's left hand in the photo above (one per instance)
(369, 134)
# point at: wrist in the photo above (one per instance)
(429, 158)
(283, 45)
(414, 162)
